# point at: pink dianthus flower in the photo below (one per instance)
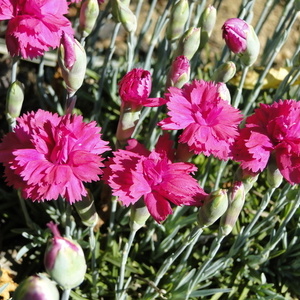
(209, 123)
(272, 130)
(47, 156)
(135, 172)
(34, 26)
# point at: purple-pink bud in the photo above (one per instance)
(241, 39)
(235, 34)
(135, 86)
(68, 41)
(179, 72)
(37, 287)
(64, 260)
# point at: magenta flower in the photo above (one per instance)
(272, 130)
(135, 88)
(209, 123)
(34, 26)
(136, 172)
(48, 156)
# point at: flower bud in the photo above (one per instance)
(189, 43)
(72, 61)
(236, 197)
(179, 73)
(207, 23)
(89, 12)
(64, 260)
(135, 86)
(87, 211)
(37, 287)
(213, 208)
(139, 215)
(122, 13)
(241, 39)
(14, 101)
(178, 18)
(274, 177)
(224, 72)
(224, 92)
(246, 177)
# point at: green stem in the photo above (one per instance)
(66, 294)
(215, 246)
(121, 293)
(191, 240)
(238, 94)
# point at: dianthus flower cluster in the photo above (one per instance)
(272, 130)
(47, 156)
(209, 123)
(136, 173)
(34, 26)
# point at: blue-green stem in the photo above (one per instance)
(215, 246)
(94, 270)
(191, 240)
(220, 173)
(28, 220)
(279, 234)
(14, 69)
(121, 292)
(98, 104)
(238, 94)
(113, 209)
(66, 294)
(240, 241)
(162, 21)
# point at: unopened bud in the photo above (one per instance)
(213, 208)
(87, 211)
(178, 18)
(37, 287)
(274, 177)
(89, 12)
(179, 73)
(207, 23)
(188, 43)
(224, 72)
(64, 260)
(246, 177)
(139, 215)
(241, 39)
(14, 101)
(236, 197)
(122, 13)
(224, 92)
(72, 61)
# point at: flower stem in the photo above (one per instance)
(121, 294)
(191, 240)
(66, 294)
(215, 246)
(237, 96)
(14, 69)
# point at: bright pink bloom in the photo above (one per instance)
(209, 123)
(235, 34)
(136, 172)
(135, 88)
(48, 156)
(34, 26)
(272, 130)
